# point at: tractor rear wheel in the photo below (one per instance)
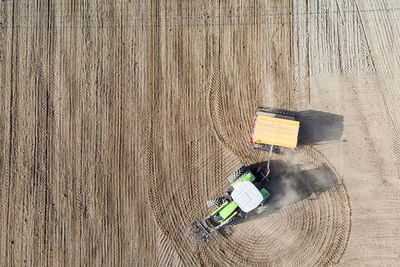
(231, 223)
(234, 176)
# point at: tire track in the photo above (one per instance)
(219, 125)
(332, 211)
(298, 224)
(384, 93)
(166, 255)
(6, 190)
(215, 105)
(153, 196)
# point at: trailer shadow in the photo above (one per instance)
(318, 127)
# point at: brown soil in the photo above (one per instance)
(119, 119)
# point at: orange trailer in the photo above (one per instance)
(274, 129)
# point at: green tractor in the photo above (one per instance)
(248, 190)
(247, 193)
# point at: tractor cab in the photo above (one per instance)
(247, 196)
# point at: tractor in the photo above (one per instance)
(248, 188)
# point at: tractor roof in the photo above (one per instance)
(247, 196)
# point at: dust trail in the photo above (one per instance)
(289, 194)
(293, 179)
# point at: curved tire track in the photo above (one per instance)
(309, 232)
(334, 204)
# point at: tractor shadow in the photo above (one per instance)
(288, 184)
(319, 127)
(291, 183)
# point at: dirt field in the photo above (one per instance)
(119, 119)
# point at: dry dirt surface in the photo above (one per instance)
(119, 119)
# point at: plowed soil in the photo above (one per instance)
(119, 119)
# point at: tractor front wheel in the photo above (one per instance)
(215, 202)
(261, 209)
(234, 176)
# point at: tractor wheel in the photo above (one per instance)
(236, 174)
(261, 209)
(215, 202)
(231, 223)
(229, 192)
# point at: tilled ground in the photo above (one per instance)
(120, 119)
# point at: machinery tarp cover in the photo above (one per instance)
(275, 131)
